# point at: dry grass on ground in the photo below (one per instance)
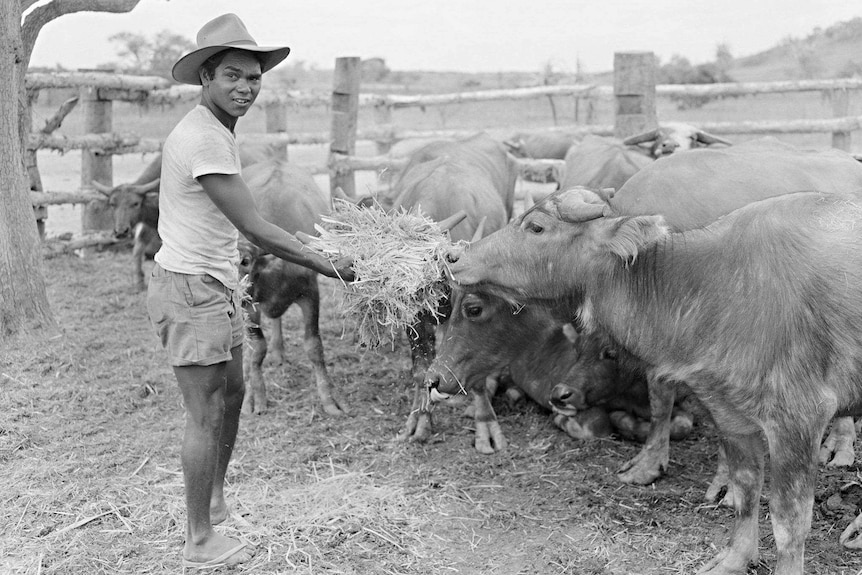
(90, 476)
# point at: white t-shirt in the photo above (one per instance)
(197, 238)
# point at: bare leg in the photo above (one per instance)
(213, 399)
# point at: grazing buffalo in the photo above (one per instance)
(288, 197)
(474, 175)
(485, 337)
(136, 205)
(760, 313)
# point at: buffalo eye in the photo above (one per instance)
(535, 228)
(472, 311)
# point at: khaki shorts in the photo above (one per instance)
(197, 318)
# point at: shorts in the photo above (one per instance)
(198, 320)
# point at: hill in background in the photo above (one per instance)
(833, 52)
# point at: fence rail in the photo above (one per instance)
(100, 89)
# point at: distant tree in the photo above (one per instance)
(23, 296)
(373, 70)
(150, 56)
(680, 71)
(723, 57)
(851, 69)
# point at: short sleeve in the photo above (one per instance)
(213, 152)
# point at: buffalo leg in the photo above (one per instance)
(793, 451)
(255, 348)
(138, 253)
(420, 425)
(652, 460)
(310, 306)
(275, 340)
(489, 436)
(745, 455)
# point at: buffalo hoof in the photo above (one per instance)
(851, 537)
(729, 562)
(419, 427)
(489, 438)
(838, 448)
(332, 408)
(642, 469)
(254, 402)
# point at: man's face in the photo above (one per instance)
(234, 85)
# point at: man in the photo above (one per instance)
(193, 296)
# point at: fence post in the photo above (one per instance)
(276, 123)
(96, 165)
(634, 93)
(383, 119)
(840, 109)
(345, 117)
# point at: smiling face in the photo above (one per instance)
(232, 87)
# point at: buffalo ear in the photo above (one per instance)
(628, 235)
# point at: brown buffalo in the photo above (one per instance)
(288, 197)
(475, 176)
(136, 205)
(575, 375)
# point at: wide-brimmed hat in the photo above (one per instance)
(222, 33)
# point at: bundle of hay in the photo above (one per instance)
(398, 259)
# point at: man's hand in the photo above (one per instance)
(340, 268)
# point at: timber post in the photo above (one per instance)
(95, 164)
(383, 119)
(276, 123)
(634, 93)
(840, 109)
(345, 117)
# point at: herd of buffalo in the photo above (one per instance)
(670, 277)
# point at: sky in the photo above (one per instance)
(460, 35)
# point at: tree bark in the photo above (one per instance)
(23, 295)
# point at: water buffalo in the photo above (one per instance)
(288, 197)
(695, 188)
(672, 137)
(760, 313)
(600, 162)
(540, 145)
(474, 175)
(558, 368)
(136, 205)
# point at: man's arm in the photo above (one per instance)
(231, 195)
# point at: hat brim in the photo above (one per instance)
(186, 68)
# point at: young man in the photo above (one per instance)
(193, 297)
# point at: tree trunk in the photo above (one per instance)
(23, 297)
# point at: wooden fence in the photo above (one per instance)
(97, 92)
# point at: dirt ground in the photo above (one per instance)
(90, 470)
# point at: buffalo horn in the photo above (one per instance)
(102, 187)
(529, 202)
(142, 189)
(641, 138)
(452, 220)
(573, 208)
(339, 194)
(480, 230)
(707, 138)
